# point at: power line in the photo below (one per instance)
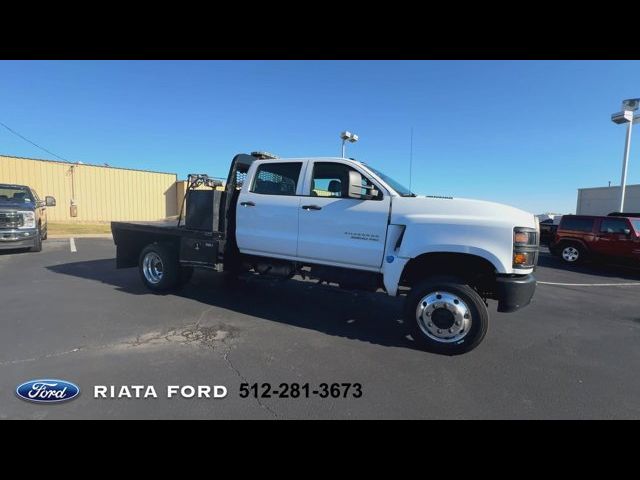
(33, 143)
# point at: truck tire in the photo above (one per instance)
(159, 268)
(572, 253)
(37, 246)
(446, 316)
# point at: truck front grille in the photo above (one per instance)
(10, 220)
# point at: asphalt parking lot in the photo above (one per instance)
(573, 353)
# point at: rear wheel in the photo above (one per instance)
(159, 268)
(572, 253)
(446, 316)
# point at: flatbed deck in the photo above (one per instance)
(194, 247)
(167, 227)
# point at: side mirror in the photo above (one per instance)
(627, 231)
(355, 185)
(359, 191)
(49, 201)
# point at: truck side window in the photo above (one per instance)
(331, 180)
(577, 224)
(613, 225)
(277, 178)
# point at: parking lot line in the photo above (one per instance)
(72, 245)
(591, 284)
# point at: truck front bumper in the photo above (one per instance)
(10, 239)
(514, 292)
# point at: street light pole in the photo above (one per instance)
(625, 163)
(629, 106)
(347, 136)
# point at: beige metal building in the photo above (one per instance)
(604, 200)
(92, 193)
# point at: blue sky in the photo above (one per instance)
(525, 133)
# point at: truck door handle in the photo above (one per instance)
(311, 207)
(247, 204)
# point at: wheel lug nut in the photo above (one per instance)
(451, 330)
(430, 324)
(439, 331)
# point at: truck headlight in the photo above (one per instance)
(525, 247)
(28, 220)
(525, 236)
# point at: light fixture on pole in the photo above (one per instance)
(626, 116)
(347, 136)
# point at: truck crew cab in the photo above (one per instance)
(23, 217)
(341, 221)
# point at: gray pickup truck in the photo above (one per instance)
(23, 217)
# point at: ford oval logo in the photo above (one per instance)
(48, 390)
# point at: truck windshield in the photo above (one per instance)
(398, 187)
(15, 194)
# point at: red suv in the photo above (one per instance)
(581, 236)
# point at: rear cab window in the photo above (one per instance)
(277, 178)
(577, 224)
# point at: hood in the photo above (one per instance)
(17, 206)
(461, 210)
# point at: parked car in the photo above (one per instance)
(610, 238)
(548, 229)
(23, 217)
(341, 221)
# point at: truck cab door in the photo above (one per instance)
(336, 229)
(268, 209)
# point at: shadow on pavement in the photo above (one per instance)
(14, 251)
(601, 269)
(369, 317)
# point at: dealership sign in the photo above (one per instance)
(47, 391)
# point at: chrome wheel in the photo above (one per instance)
(152, 268)
(570, 254)
(443, 317)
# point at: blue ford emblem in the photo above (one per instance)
(48, 390)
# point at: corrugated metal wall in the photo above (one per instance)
(604, 200)
(101, 193)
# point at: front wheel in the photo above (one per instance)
(37, 243)
(446, 316)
